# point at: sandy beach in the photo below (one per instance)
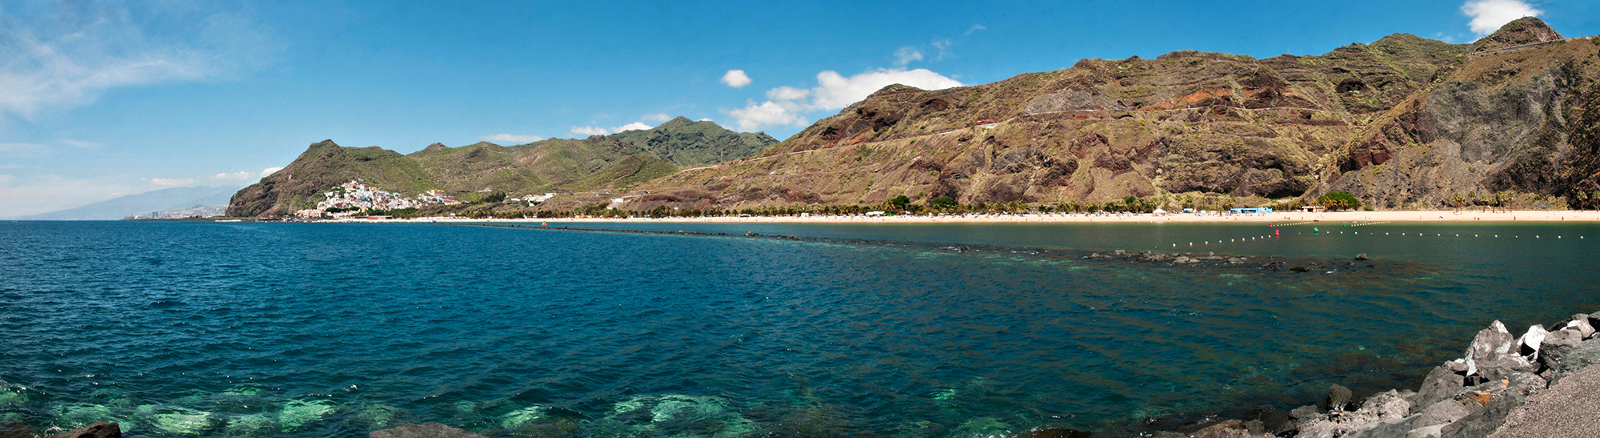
(1277, 217)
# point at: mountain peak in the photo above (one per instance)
(676, 121)
(1522, 31)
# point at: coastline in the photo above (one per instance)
(1530, 216)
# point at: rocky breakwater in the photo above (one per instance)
(1544, 383)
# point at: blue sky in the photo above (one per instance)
(103, 99)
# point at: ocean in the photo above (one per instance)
(246, 329)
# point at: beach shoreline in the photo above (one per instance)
(1276, 217)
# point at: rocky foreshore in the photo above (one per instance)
(1545, 383)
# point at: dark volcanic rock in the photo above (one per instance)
(1586, 354)
(1442, 383)
(1303, 413)
(1226, 429)
(1386, 429)
(1338, 398)
(425, 430)
(1556, 345)
(1054, 433)
(100, 429)
(1444, 412)
(16, 429)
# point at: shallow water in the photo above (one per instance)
(181, 329)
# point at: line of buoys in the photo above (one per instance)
(1279, 234)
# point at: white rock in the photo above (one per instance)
(1489, 344)
(1533, 339)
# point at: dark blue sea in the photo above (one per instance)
(301, 330)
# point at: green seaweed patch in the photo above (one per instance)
(672, 415)
(298, 413)
(249, 424)
(378, 415)
(179, 421)
(522, 417)
(983, 426)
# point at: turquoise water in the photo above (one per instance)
(197, 329)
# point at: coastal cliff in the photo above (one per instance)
(1404, 123)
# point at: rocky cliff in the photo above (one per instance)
(615, 160)
(1403, 122)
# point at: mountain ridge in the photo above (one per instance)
(1388, 121)
(624, 159)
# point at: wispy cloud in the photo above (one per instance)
(26, 195)
(66, 54)
(22, 150)
(657, 117)
(974, 28)
(511, 138)
(906, 55)
(1489, 15)
(269, 171)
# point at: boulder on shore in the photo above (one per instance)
(1338, 398)
(1441, 384)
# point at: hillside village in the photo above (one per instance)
(355, 198)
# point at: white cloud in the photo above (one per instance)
(80, 144)
(906, 55)
(787, 93)
(705, 120)
(657, 117)
(834, 91)
(596, 130)
(589, 130)
(1489, 15)
(974, 28)
(171, 182)
(736, 78)
(66, 54)
(754, 116)
(236, 176)
(269, 171)
(511, 138)
(635, 126)
(786, 105)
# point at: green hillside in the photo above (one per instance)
(553, 165)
